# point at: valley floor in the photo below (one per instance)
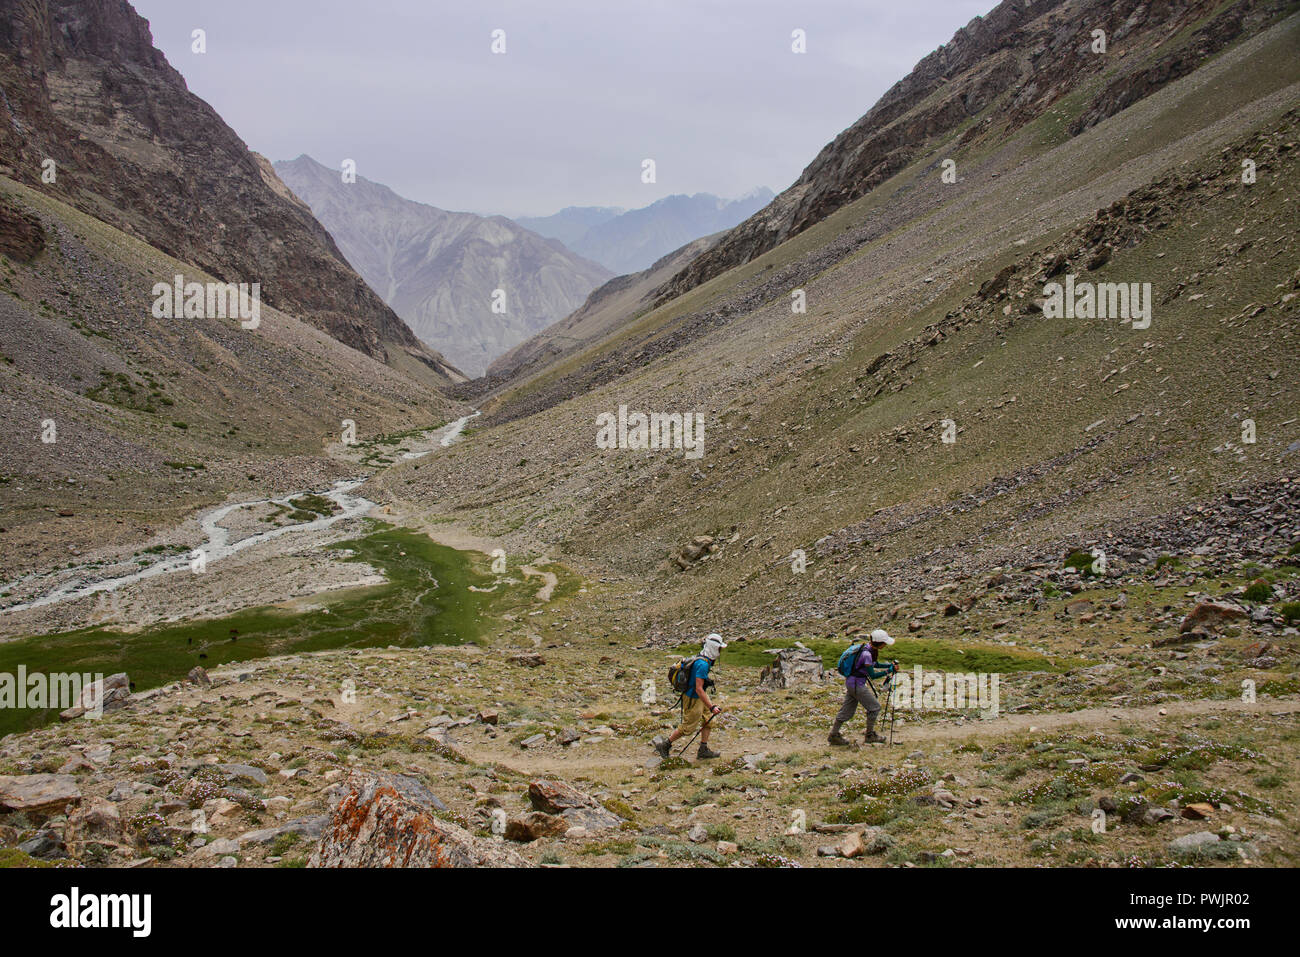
(1105, 706)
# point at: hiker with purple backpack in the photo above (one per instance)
(859, 664)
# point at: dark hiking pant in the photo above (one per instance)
(857, 693)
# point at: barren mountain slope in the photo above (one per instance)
(634, 240)
(125, 422)
(824, 429)
(997, 74)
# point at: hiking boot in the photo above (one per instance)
(837, 739)
(704, 753)
(663, 746)
(872, 738)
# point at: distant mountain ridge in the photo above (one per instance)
(629, 241)
(439, 270)
(570, 224)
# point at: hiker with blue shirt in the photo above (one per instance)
(865, 665)
(696, 702)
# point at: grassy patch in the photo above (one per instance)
(426, 601)
(930, 653)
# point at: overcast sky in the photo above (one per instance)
(585, 91)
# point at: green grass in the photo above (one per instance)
(426, 601)
(12, 857)
(940, 655)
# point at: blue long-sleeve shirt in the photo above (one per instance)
(866, 666)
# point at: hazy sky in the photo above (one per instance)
(585, 91)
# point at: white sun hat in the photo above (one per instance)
(712, 645)
(881, 636)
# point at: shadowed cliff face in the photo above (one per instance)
(997, 74)
(84, 86)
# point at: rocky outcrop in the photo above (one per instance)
(22, 236)
(388, 820)
(84, 86)
(793, 668)
(107, 694)
(559, 809)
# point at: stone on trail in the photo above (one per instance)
(388, 820)
(308, 827)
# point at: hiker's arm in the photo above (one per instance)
(702, 694)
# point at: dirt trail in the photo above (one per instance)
(629, 754)
(550, 578)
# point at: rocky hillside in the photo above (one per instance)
(630, 241)
(84, 86)
(439, 270)
(998, 74)
(114, 423)
(825, 428)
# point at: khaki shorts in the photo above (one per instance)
(692, 715)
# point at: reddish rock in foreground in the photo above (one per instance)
(387, 820)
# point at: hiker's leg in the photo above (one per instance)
(868, 701)
(847, 707)
(692, 717)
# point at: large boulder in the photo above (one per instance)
(1211, 614)
(556, 797)
(793, 668)
(42, 793)
(388, 820)
(535, 825)
(107, 694)
(575, 808)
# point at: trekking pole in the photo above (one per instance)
(889, 705)
(696, 735)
